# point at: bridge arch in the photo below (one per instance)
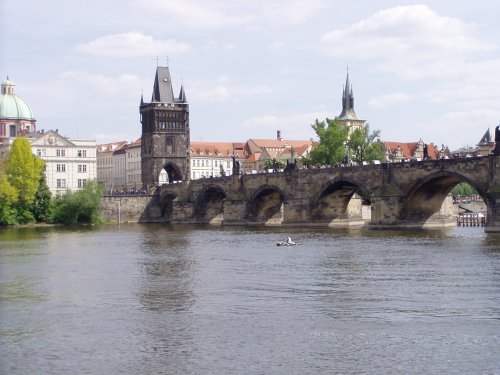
(209, 205)
(265, 206)
(170, 173)
(333, 205)
(424, 201)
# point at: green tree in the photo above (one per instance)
(8, 197)
(464, 189)
(332, 138)
(41, 207)
(362, 146)
(79, 207)
(24, 170)
(274, 164)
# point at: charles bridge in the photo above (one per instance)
(401, 195)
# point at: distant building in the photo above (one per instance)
(395, 152)
(69, 163)
(105, 163)
(16, 116)
(348, 116)
(484, 147)
(214, 159)
(133, 159)
(260, 151)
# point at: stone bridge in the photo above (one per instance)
(409, 195)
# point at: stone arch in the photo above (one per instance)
(209, 205)
(169, 173)
(265, 206)
(423, 204)
(334, 204)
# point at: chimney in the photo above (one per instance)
(278, 135)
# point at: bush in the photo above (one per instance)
(79, 207)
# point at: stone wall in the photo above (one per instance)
(125, 209)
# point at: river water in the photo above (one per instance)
(156, 299)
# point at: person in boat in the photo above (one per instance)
(289, 241)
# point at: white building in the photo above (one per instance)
(213, 159)
(69, 163)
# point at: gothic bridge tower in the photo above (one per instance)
(165, 134)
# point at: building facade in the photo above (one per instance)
(69, 163)
(165, 133)
(105, 163)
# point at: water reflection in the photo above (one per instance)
(187, 300)
(167, 268)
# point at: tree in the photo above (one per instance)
(8, 197)
(362, 146)
(463, 189)
(41, 206)
(274, 164)
(24, 170)
(331, 149)
(79, 207)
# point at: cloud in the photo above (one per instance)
(410, 41)
(130, 45)
(224, 89)
(101, 84)
(293, 125)
(218, 14)
(387, 100)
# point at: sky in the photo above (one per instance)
(425, 70)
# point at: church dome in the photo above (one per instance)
(13, 106)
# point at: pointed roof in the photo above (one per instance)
(348, 112)
(162, 90)
(182, 96)
(486, 139)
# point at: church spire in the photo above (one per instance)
(348, 101)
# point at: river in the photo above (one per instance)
(158, 299)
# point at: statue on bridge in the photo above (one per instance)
(496, 150)
(236, 166)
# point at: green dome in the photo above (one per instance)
(13, 106)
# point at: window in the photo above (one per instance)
(162, 125)
(82, 168)
(61, 182)
(60, 153)
(61, 167)
(82, 182)
(82, 153)
(41, 152)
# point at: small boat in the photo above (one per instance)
(287, 242)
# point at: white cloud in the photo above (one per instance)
(213, 45)
(294, 125)
(410, 41)
(387, 100)
(102, 84)
(132, 44)
(217, 14)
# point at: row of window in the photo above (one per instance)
(61, 183)
(82, 168)
(163, 125)
(206, 163)
(42, 152)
